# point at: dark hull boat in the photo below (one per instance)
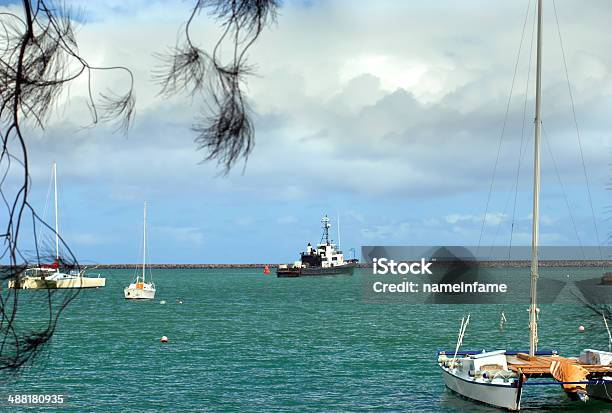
(346, 269)
(325, 259)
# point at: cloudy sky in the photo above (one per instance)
(387, 113)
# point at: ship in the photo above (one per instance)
(325, 259)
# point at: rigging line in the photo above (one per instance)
(138, 267)
(44, 215)
(522, 152)
(150, 272)
(501, 137)
(522, 146)
(501, 220)
(569, 209)
(571, 96)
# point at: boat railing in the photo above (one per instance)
(82, 274)
(37, 272)
(90, 275)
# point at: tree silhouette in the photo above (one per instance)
(224, 129)
(39, 59)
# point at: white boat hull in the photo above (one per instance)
(36, 283)
(138, 294)
(500, 395)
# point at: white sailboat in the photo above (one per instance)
(140, 288)
(49, 276)
(484, 377)
(497, 377)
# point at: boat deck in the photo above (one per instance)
(540, 366)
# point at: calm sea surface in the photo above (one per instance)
(242, 341)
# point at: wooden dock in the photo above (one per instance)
(541, 365)
(571, 374)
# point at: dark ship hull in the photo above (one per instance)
(346, 269)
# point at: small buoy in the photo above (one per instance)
(162, 302)
(164, 339)
(266, 270)
(581, 329)
(179, 301)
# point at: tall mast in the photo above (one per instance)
(144, 241)
(338, 228)
(533, 320)
(56, 219)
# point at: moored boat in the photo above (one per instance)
(325, 259)
(603, 388)
(484, 377)
(52, 276)
(497, 378)
(601, 391)
(48, 277)
(140, 288)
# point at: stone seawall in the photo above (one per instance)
(487, 264)
(605, 264)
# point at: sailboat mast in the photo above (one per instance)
(533, 320)
(338, 228)
(144, 241)
(56, 219)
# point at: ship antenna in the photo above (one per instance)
(326, 226)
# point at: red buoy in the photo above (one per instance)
(164, 339)
(266, 270)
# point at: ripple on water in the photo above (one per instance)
(245, 342)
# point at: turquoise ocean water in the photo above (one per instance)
(242, 341)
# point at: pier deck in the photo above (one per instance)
(547, 366)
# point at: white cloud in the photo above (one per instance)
(396, 102)
(492, 218)
(401, 106)
(387, 232)
(182, 235)
(84, 238)
(287, 220)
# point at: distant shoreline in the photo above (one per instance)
(486, 264)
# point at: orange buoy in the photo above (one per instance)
(266, 270)
(164, 339)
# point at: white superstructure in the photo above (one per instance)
(325, 255)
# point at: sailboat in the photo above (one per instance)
(49, 276)
(497, 377)
(140, 288)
